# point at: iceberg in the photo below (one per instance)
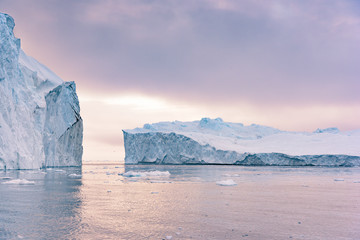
(40, 122)
(213, 141)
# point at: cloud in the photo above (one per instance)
(272, 51)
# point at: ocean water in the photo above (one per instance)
(99, 201)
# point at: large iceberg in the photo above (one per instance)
(40, 122)
(213, 141)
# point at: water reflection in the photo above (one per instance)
(267, 203)
(48, 209)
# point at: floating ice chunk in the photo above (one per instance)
(5, 178)
(228, 182)
(146, 174)
(358, 181)
(231, 175)
(19, 182)
(134, 174)
(74, 175)
(168, 237)
(338, 179)
(59, 170)
(157, 181)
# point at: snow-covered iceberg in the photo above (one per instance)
(40, 122)
(213, 141)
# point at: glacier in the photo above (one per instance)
(40, 122)
(213, 141)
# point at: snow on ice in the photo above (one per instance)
(213, 141)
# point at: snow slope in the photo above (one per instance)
(216, 142)
(40, 123)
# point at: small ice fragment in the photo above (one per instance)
(231, 175)
(168, 237)
(59, 170)
(74, 175)
(19, 182)
(338, 179)
(177, 233)
(358, 181)
(154, 192)
(180, 228)
(108, 191)
(5, 178)
(117, 167)
(157, 181)
(146, 174)
(228, 182)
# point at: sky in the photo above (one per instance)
(289, 64)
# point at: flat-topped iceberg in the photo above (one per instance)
(213, 141)
(40, 122)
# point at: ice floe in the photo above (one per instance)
(74, 175)
(228, 182)
(146, 174)
(19, 182)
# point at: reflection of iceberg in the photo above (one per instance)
(212, 141)
(52, 202)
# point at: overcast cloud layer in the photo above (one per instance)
(288, 64)
(300, 52)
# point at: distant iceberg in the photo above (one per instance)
(213, 141)
(40, 122)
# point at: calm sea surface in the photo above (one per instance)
(98, 202)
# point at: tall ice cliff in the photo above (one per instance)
(40, 122)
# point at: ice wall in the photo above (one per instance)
(212, 141)
(35, 132)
